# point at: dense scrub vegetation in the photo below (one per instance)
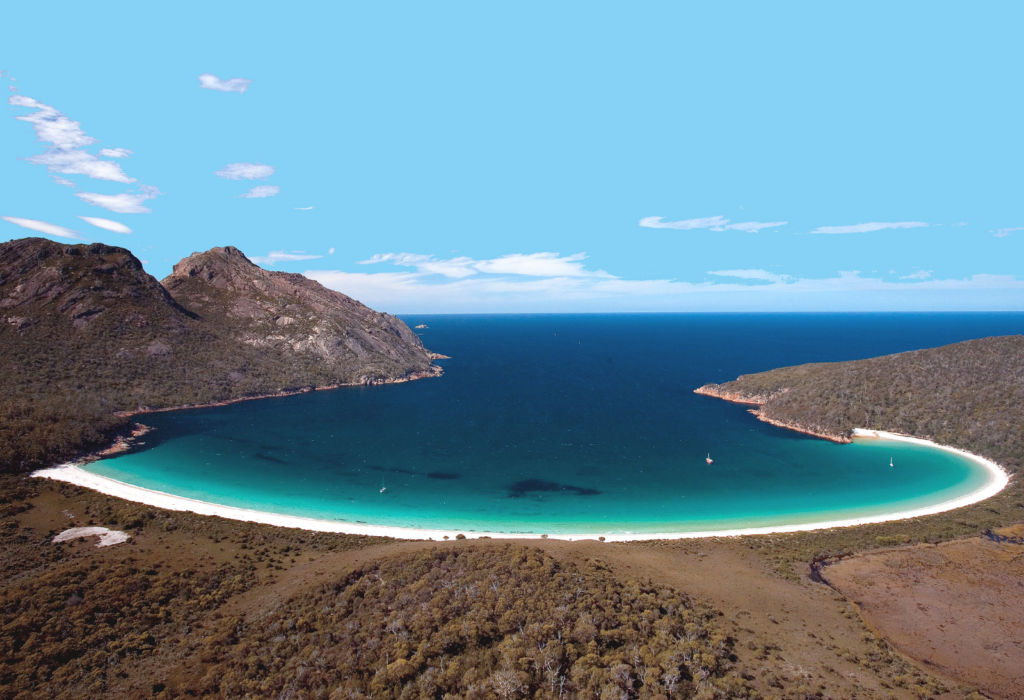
(74, 620)
(967, 394)
(495, 622)
(85, 332)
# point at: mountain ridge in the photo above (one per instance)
(85, 325)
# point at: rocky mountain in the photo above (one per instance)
(290, 314)
(85, 333)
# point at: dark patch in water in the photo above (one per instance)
(393, 470)
(268, 458)
(412, 472)
(521, 488)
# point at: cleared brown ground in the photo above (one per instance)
(957, 607)
(794, 639)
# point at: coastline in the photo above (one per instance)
(436, 371)
(998, 479)
(760, 400)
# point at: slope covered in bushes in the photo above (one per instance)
(967, 394)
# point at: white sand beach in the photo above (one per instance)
(71, 473)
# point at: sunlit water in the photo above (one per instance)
(565, 424)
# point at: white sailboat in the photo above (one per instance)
(709, 460)
(383, 488)
(890, 462)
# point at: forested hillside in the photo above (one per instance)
(968, 394)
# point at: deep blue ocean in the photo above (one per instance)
(566, 423)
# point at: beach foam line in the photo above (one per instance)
(71, 473)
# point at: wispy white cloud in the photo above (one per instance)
(261, 191)
(415, 291)
(303, 208)
(330, 251)
(755, 226)
(276, 256)
(79, 162)
(115, 152)
(1004, 232)
(750, 275)
(919, 275)
(245, 171)
(531, 265)
(124, 203)
(715, 223)
(209, 81)
(428, 264)
(65, 154)
(705, 222)
(51, 126)
(962, 223)
(869, 227)
(540, 265)
(109, 225)
(43, 227)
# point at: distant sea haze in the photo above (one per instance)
(567, 424)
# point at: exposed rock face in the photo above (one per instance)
(81, 283)
(290, 314)
(87, 320)
(761, 400)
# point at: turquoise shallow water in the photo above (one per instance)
(564, 424)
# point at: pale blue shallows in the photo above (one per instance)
(566, 424)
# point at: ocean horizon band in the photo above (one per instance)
(71, 473)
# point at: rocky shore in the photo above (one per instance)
(431, 371)
(761, 400)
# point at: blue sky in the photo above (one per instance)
(462, 157)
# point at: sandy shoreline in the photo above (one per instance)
(71, 473)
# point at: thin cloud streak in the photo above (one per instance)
(413, 292)
(869, 227)
(43, 227)
(750, 275)
(109, 225)
(755, 226)
(532, 265)
(276, 256)
(688, 224)
(124, 203)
